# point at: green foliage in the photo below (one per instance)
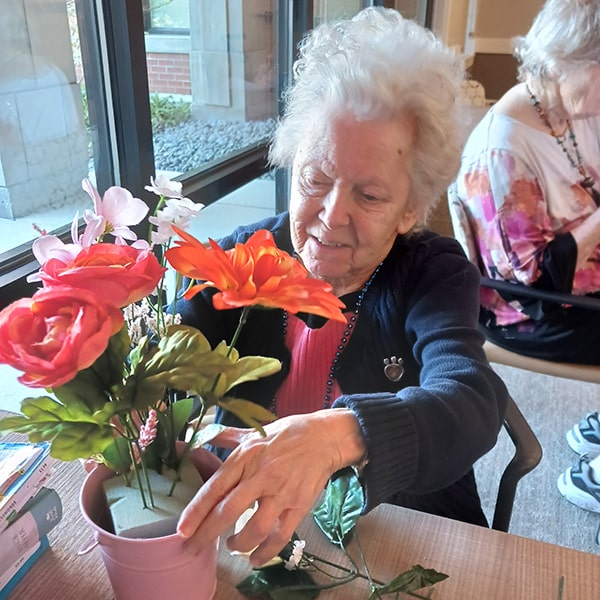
(410, 581)
(80, 420)
(74, 431)
(340, 509)
(277, 583)
(184, 360)
(167, 111)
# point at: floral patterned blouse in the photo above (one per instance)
(521, 197)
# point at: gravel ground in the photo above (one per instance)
(194, 143)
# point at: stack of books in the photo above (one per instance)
(28, 509)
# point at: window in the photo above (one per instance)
(123, 90)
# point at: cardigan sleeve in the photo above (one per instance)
(425, 437)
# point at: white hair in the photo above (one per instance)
(564, 37)
(379, 65)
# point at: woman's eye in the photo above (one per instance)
(370, 197)
(314, 183)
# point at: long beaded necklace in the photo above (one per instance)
(587, 181)
(343, 340)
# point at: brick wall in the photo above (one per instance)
(169, 73)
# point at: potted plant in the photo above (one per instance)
(124, 377)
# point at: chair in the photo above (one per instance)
(528, 454)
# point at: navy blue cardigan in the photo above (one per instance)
(425, 432)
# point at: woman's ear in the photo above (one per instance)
(407, 221)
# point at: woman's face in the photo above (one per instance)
(581, 93)
(349, 197)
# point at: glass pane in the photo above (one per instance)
(44, 142)
(213, 92)
(248, 204)
(327, 10)
(170, 14)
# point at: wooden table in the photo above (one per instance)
(482, 563)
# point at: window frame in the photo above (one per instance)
(123, 149)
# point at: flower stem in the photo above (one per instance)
(354, 571)
(188, 444)
(234, 339)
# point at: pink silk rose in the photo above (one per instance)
(117, 273)
(56, 333)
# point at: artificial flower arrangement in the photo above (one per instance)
(98, 336)
(115, 361)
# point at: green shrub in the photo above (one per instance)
(167, 111)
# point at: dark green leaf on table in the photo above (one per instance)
(277, 583)
(340, 509)
(409, 581)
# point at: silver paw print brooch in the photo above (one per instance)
(393, 368)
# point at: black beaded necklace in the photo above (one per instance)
(343, 340)
(587, 181)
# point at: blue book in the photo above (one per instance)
(10, 579)
(22, 479)
(36, 519)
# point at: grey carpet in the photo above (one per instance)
(551, 405)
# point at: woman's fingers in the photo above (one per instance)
(204, 518)
(279, 535)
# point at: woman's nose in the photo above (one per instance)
(335, 211)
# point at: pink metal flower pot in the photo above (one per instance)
(156, 568)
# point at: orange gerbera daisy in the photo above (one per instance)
(254, 273)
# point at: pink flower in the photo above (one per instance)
(56, 333)
(147, 434)
(148, 430)
(114, 212)
(119, 274)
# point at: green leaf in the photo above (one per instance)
(138, 353)
(277, 583)
(249, 368)
(340, 509)
(414, 579)
(173, 419)
(248, 412)
(74, 432)
(84, 390)
(92, 387)
(206, 434)
(182, 360)
(117, 455)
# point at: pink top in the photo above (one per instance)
(313, 351)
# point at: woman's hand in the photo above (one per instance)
(284, 472)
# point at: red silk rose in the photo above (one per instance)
(56, 333)
(117, 273)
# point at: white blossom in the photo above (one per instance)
(141, 320)
(163, 186)
(294, 560)
(176, 211)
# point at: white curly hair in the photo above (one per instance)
(379, 65)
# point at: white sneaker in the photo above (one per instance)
(584, 438)
(579, 487)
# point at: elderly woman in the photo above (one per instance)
(371, 131)
(528, 182)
